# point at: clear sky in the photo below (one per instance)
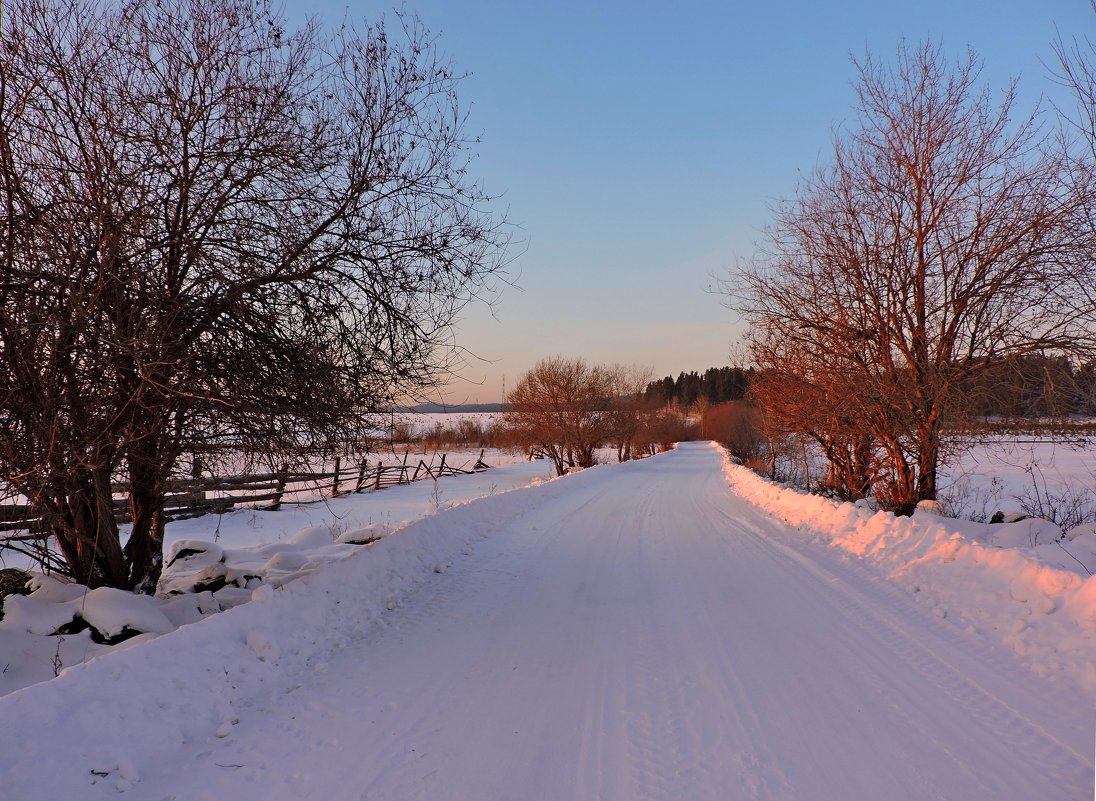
(638, 146)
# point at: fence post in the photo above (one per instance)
(197, 492)
(335, 482)
(380, 470)
(283, 475)
(361, 475)
(441, 467)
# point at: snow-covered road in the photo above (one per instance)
(635, 632)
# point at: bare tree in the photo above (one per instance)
(666, 426)
(1077, 72)
(629, 411)
(925, 251)
(815, 396)
(735, 426)
(564, 408)
(214, 232)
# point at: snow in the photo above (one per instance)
(1004, 582)
(107, 610)
(230, 558)
(627, 632)
(1083, 530)
(424, 421)
(997, 472)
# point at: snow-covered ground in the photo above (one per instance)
(629, 632)
(1016, 584)
(388, 508)
(1009, 473)
(1003, 473)
(425, 420)
(233, 554)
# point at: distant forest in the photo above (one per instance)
(714, 385)
(1030, 386)
(1034, 386)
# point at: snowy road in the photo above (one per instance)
(645, 634)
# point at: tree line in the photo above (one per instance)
(714, 385)
(1032, 387)
(938, 265)
(1026, 387)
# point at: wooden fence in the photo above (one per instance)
(200, 495)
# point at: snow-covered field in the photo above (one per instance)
(643, 631)
(425, 420)
(1004, 473)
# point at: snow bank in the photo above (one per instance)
(1009, 582)
(215, 563)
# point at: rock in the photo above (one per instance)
(197, 554)
(12, 582)
(1001, 516)
(126, 633)
(74, 626)
(934, 508)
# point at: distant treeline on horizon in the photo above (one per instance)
(451, 408)
(1030, 386)
(714, 385)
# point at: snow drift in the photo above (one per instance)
(1009, 582)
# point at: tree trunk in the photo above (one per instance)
(145, 549)
(80, 516)
(151, 460)
(863, 470)
(928, 462)
(904, 492)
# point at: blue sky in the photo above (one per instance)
(637, 147)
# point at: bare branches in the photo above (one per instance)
(929, 249)
(560, 408)
(1076, 70)
(566, 409)
(218, 231)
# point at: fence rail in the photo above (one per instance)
(194, 497)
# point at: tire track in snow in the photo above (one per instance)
(1029, 741)
(490, 587)
(679, 749)
(663, 766)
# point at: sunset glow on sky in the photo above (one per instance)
(637, 148)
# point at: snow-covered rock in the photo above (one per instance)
(1084, 530)
(110, 613)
